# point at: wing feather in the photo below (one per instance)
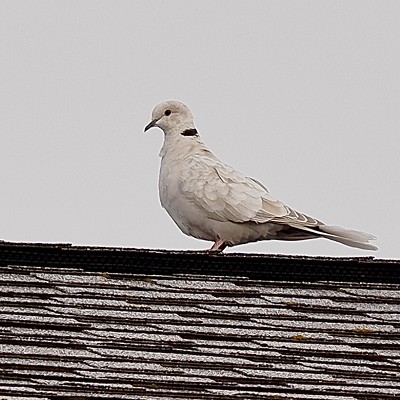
(227, 195)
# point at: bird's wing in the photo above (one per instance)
(227, 195)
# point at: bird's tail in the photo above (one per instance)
(346, 236)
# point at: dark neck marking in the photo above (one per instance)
(190, 132)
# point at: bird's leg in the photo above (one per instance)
(219, 245)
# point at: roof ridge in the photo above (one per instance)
(170, 262)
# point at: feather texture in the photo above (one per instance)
(210, 200)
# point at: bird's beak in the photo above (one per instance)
(151, 124)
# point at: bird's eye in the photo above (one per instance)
(167, 112)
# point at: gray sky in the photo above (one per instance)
(302, 95)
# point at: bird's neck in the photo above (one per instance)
(178, 145)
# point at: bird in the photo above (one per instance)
(212, 201)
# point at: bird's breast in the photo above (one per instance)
(168, 185)
(185, 213)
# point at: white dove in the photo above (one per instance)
(212, 201)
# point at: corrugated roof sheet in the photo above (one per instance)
(68, 331)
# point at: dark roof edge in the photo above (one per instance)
(71, 247)
(167, 262)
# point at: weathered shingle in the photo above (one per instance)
(68, 331)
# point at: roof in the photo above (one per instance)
(104, 323)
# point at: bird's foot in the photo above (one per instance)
(219, 245)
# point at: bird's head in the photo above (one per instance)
(173, 117)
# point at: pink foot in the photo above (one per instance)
(219, 245)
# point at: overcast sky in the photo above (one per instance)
(302, 95)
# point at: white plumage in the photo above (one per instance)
(212, 201)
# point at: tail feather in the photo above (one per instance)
(349, 237)
(345, 236)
